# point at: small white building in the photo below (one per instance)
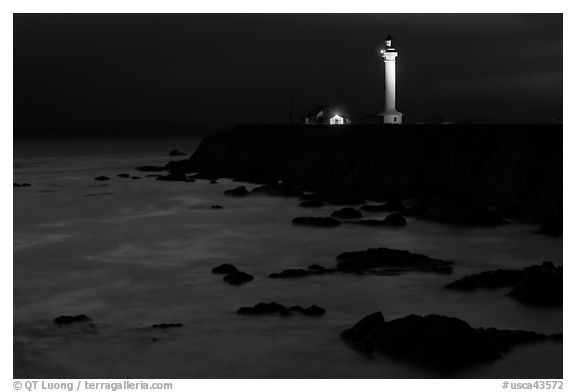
(336, 120)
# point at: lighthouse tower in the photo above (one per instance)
(390, 115)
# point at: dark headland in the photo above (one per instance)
(516, 169)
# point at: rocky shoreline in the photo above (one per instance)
(466, 174)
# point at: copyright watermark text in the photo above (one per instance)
(87, 385)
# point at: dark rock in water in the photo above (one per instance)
(239, 191)
(381, 261)
(536, 285)
(312, 310)
(101, 178)
(291, 273)
(213, 182)
(167, 325)
(25, 184)
(135, 177)
(385, 259)
(433, 340)
(65, 320)
(172, 176)
(123, 175)
(276, 308)
(395, 219)
(488, 279)
(311, 203)
(263, 308)
(316, 221)
(175, 153)
(16, 185)
(367, 222)
(238, 278)
(347, 213)
(390, 206)
(152, 175)
(300, 273)
(224, 269)
(359, 336)
(552, 228)
(540, 285)
(150, 168)
(462, 211)
(216, 207)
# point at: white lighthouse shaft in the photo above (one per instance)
(390, 115)
(389, 85)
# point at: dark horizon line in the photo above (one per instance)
(181, 130)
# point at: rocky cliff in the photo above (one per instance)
(517, 168)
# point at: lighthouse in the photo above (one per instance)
(390, 115)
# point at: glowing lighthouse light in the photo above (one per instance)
(390, 115)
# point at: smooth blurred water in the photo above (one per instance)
(130, 253)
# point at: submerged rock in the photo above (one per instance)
(312, 310)
(347, 213)
(239, 191)
(300, 273)
(279, 309)
(238, 278)
(216, 207)
(101, 178)
(65, 320)
(175, 153)
(123, 175)
(167, 325)
(434, 340)
(488, 279)
(25, 184)
(224, 269)
(381, 261)
(385, 259)
(150, 168)
(540, 285)
(316, 221)
(263, 308)
(535, 285)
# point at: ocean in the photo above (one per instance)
(130, 253)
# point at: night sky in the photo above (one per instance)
(207, 72)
